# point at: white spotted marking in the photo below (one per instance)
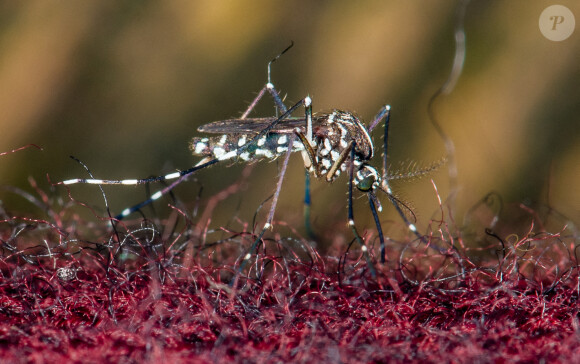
(218, 152)
(265, 152)
(387, 188)
(70, 181)
(413, 228)
(327, 144)
(245, 156)
(307, 101)
(331, 118)
(281, 149)
(261, 141)
(326, 163)
(156, 195)
(282, 139)
(222, 140)
(173, 175)
(334, 155)
(200, 147)
(227, 155)
(129, 182)
(242, 141)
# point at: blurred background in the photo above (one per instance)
(123, 86)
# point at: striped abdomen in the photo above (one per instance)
(226, 146)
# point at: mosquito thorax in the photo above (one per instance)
(346, 126)
(341, 130)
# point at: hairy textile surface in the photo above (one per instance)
(136, 295)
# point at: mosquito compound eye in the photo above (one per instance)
(366, 184)
(366, 178)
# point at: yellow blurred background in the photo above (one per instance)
(123, 86)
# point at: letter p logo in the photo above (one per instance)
(557, 19)
(557, 23)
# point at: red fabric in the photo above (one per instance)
(169, 302)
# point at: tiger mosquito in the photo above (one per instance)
(330, 143)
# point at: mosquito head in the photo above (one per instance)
(367, 178)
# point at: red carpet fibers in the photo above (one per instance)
(140, 297)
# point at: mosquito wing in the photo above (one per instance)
(255, 125)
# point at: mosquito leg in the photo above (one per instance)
(291, 138)
(270, 88)
(341, 159)
(351, 218)
(384, 112)
(157, 195)
(270, 217)
(254, 103)
(180, 175)
(308, 113)
(413, 228)
(386, 144)
(307, 203)
(308, 154)
(309, 160)
(308, 146)
(275, 95)
(183, 175)
(372, 204)
(131, 182)
(270, 85)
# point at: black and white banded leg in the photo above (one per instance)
(386, 188)
(183, 175)
(307, 103)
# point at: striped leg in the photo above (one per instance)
(307, 103)
(386, 188)
(351, 224)
(183, 175)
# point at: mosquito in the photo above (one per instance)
(331, 144)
